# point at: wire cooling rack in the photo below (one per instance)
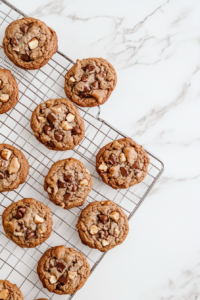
(19, 265)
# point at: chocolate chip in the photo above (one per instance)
(24, 28)
(63, 279)
(112, 159)
(46, 129)
(76, 130)
(86, 88)
(103, 218)
(51, 118)
(22, 210)
(68, 178)
(18, 215)
(30, 235)
(58, 137)
(62, 185)
(95, 85)
(67, 196)
(21, 225)
(74, 188)
(105, 233)
(89, 68)
(84, 95)
(25, 57)
(101, 74)
(50, 144)
(136, 165)
(60, 266)
(84, 78)
(2, 176)
(14, 41)
(124, 171)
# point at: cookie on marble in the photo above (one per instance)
(102, 225)
(68, 183)
(90, 82)
(9, 92)
(14, 168)
(28, 223)
(58, 124)
(63, 270)
(29, 43)
(9, 291)
(122, 163)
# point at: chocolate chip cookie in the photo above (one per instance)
(9, 291)
(29, 43)
(63, 270)
(58, 124)
(28, 223)
(90, 82)
(102, 225)
(9, 92)
(14, 168)
(68, 183)
(122, 163)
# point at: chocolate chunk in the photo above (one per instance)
(101, 74)
(68, 178)
(59, 286)
(86, 88)
(84, 95)
(63, 279)
(74, 188)
(42, 110)
(2, 176)
(51, 118)
(124, 171)
(89, 68)
(84, 78)
(76, 130)
(95, 85)
(60, 266)
(46, 129)
(136, 165)
(103, 218)
(14, 41)
(112, 159)
(18, 215)
(62, 184)
(67, 196)
(21, 224)
(50, 144)
(25, 57)
(22, 210)
(105, 233)
(24, 28)
(30, 235)
(58, 137)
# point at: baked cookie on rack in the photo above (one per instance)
(68, 183)
(58, 124)
(9, 92)
(28, 223)
(122, 163)
(90, 82)
(102, 225)
(29, 43)
(63, 270)
(14, 168)
(9, 291)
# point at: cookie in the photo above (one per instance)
(122, 163)
(28, 223)
(68, 183)
(9, 92)
(102, 225)
(29, 43)
(14, 168)
(63, 270)
(9, 291)
(58, 124)
(90, 82)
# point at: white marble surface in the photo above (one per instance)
(155, 47)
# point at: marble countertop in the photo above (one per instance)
(155, 48)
